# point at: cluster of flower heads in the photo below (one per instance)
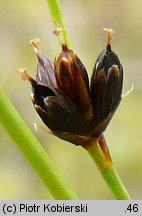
(72, 107)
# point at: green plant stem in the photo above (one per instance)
(57, 16)
(33, 151)
(108, 172)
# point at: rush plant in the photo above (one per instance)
(72, 107)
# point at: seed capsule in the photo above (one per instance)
(106, 87)
(72, 78)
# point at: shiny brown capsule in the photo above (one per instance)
(106, 86)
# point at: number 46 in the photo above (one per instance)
(132, 208)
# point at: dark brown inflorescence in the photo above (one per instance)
(71, 108)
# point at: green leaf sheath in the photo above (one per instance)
(33, 151)
(108, 172)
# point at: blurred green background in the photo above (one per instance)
(21, 21)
